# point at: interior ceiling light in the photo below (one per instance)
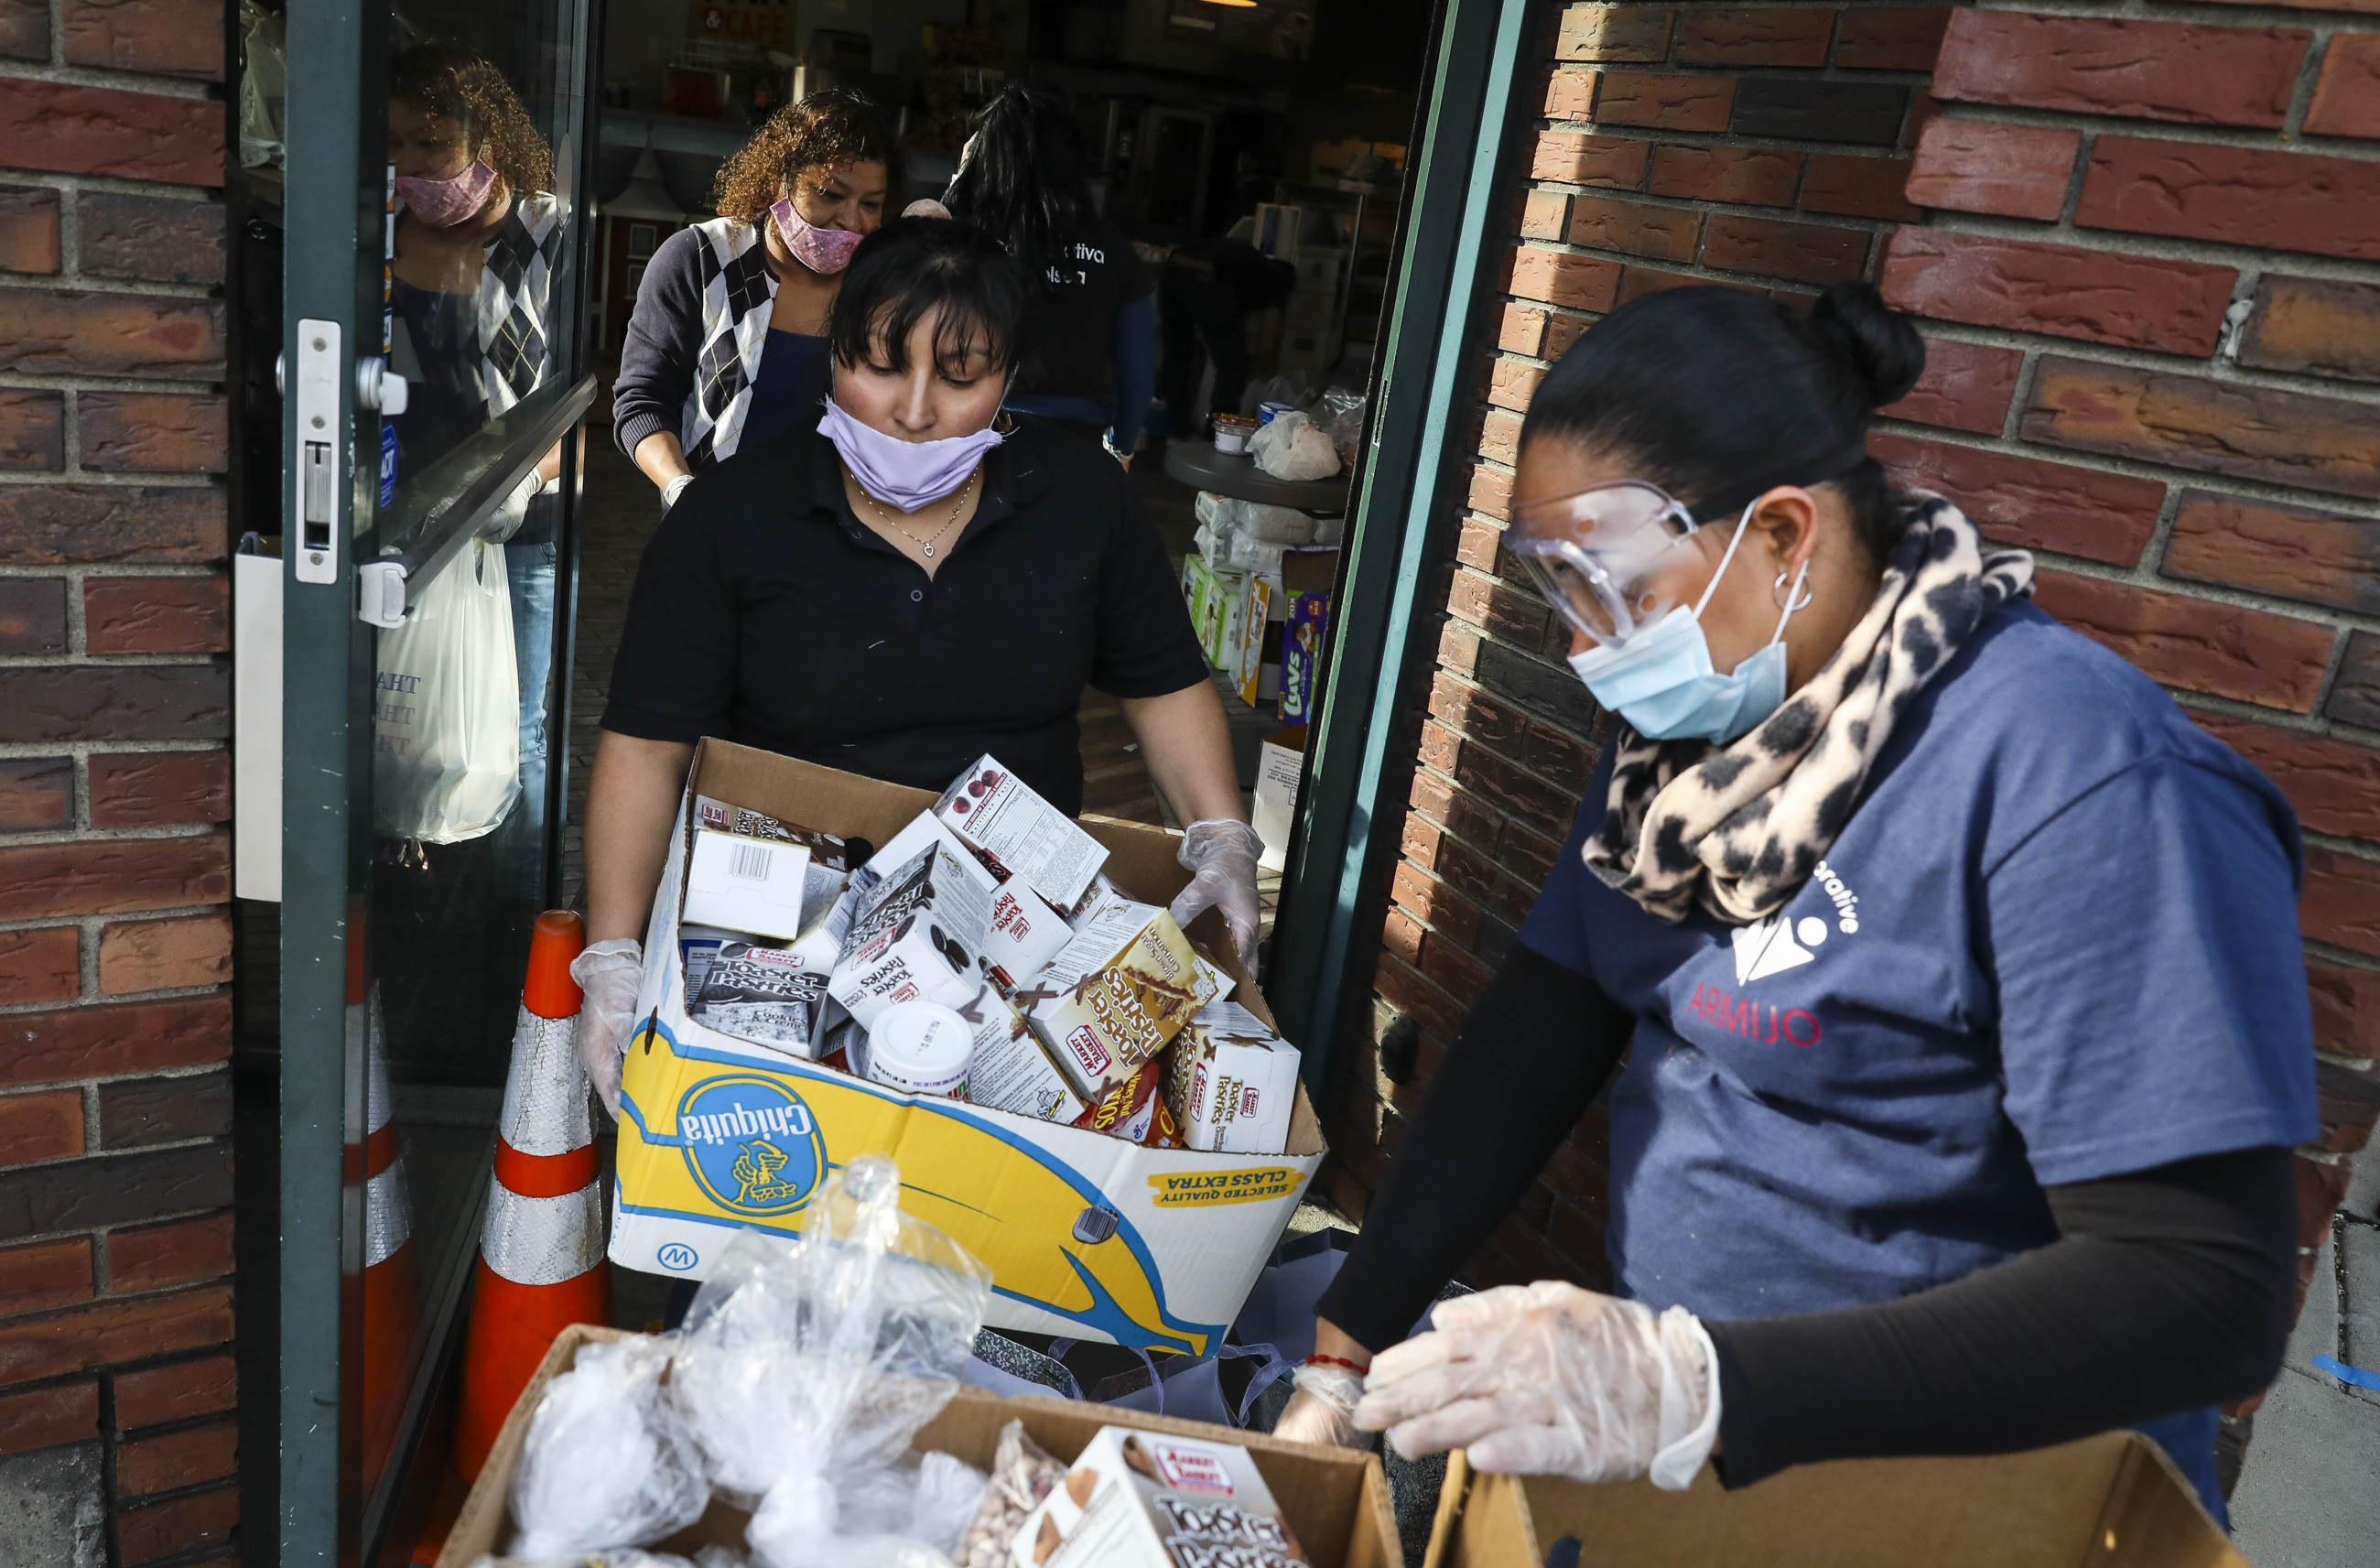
(1237, 5)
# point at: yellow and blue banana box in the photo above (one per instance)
(1086, 1234)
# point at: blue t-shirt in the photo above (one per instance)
(793, 379)
(2057, 941)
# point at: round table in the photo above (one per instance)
(1235, 474)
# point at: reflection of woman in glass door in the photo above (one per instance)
(727, 345)
(478, 236)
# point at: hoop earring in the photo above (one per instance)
(1777, 595)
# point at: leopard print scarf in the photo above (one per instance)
(1737, 829)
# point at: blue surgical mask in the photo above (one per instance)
(1662, 681)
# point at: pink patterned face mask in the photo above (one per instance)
(443, 203)
(819, 249)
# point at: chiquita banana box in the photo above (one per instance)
(1086, 1234)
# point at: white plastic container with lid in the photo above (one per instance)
(920, 1047)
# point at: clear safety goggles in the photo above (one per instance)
(1598, 555)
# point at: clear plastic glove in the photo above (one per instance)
(1221, 854)
(1323, 1409)
(1550, 1379)
(608, 973)
(676, 488)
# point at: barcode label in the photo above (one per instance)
(750, 862)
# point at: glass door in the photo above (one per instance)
(432, 212)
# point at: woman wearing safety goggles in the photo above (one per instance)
(1957, 971)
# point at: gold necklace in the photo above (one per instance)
(926, 545)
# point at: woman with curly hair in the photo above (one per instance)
(727, 345)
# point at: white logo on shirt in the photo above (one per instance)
(1769, 948)
(1846, 902)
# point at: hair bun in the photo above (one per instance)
(1882, 349)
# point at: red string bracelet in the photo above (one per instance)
(1355, 1367)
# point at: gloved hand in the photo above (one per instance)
(607, 972)
(1221, 854)
(676, 488)
(1323, 1409)
(1551, 1379)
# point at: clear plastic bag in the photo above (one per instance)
(806, 1366)
(1291, 448)
(1021, 1476)
(1340, 417)
(606, 1465)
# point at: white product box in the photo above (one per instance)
(1011, 1071)
(997, 814)
(916, 935)
(747, 885)
(828, 862)
(1231, 1082)
(1280, 762)
(923, 829)
(1146, 1499)
(1023, 934)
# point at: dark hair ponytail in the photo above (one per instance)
(1717, 394)
(1021, 178)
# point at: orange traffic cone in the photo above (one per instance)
(541, 1265)
(391, 1283)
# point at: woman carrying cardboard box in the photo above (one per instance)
(1958, 972)
(896, 591)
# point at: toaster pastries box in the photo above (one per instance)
(1135, 1110)
(1231, 1082)
(828, 861)
(1020, 834)
(765, 995)
(1011, 1070)
(1115, 995)
(915, 935)
(1147, 1500)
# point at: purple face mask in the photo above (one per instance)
(443, 203)
(910, 474)
(819, 249)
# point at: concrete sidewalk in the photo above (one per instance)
(2309, 1496)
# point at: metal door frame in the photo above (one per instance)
(335, 218)
(1403, 516)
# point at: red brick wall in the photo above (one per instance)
(2149, 257)
(2157, 244)
(115, 1233)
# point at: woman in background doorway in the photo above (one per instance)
(479, 231)
(1209, 291)
(727, 345)
(1091, 344)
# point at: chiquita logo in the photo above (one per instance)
(751, 1143)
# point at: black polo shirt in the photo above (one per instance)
(766, 614)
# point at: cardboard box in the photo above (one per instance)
(1336, 1500)
(2113, 1501)
(1019, 834)
(1280, 764)
(1248, 657)
(1086, 1234)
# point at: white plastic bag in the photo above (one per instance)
(1275, 524)
(837, 1346)
(446, 707)
(1291, 448)
(606, 1464)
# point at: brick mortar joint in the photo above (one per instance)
(74, 282)
(103, 660)
(110, 185)
(2143, 574)
(152, 84)
(63, 382)
(110, 479)
(163, 832)
(95, 1153)
(94, 926)
(2253, 262)
(1655, 200)
(82, 749)
(92, 996)
(2249, 139)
